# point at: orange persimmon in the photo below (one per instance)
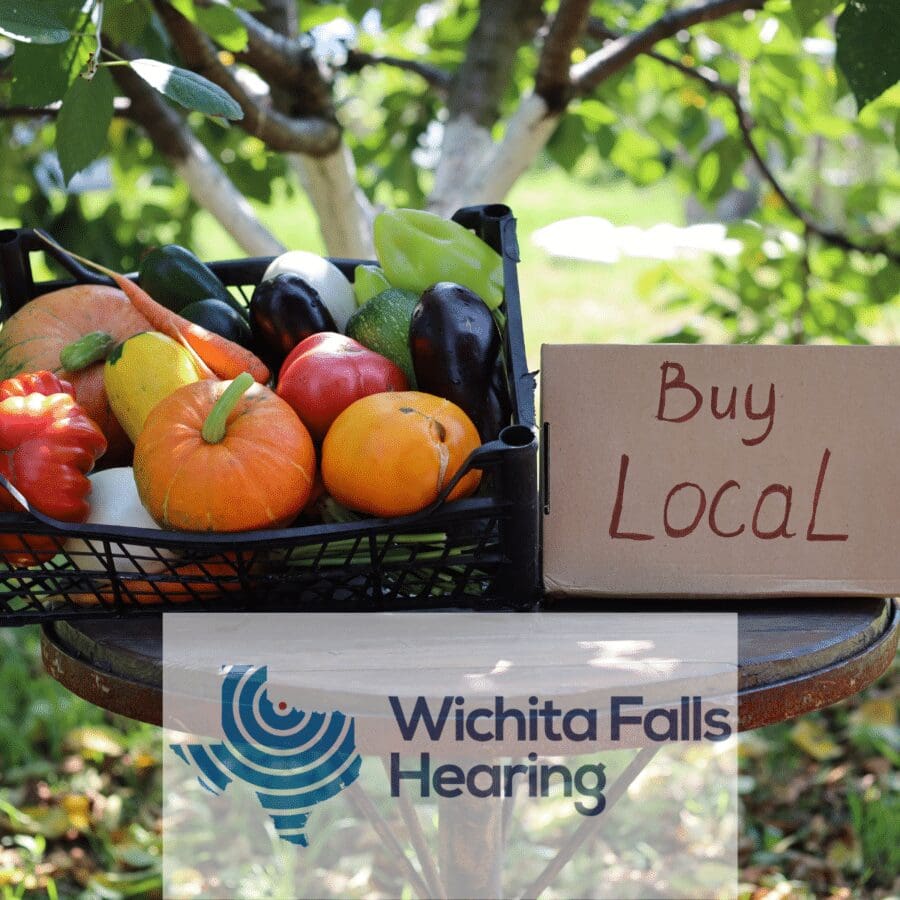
(224, 456)
(391, 454)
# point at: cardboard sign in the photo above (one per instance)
(751, 471)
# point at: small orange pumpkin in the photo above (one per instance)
(391, 454)
(224, 456)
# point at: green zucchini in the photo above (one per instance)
(174, 277)
(382, 325)
(220, 318)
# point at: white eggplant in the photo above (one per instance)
(327, 279)
(115, 501)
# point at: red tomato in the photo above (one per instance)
(327, 372)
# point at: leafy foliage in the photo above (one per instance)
(31, 24)
(816, 78)
(85, 102)
(867, 47)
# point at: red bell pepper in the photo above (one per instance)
(327, 372)
(48, 445)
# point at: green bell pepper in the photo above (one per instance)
(418, 249)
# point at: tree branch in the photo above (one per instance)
(710, 79)
(490, 54)
(612, 58)
(477, 88)
(552, 79)
(209, 185)
(314, 135)
(289, 63)
(121, 108)
(436, 77)
(343, 210)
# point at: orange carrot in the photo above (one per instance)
(224, 357)
(216, 355)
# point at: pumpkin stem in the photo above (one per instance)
(213, 430)
(88, 349)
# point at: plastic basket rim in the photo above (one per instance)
(442, 513)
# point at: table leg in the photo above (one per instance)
(470, 846)
(565, 853)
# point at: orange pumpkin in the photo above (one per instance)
(392, 454)
(33, 337)
(224, 456)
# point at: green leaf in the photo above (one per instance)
(87, 110)
(31, 23)
(715, 173)
(191, 90)
(223, 25)
(42, 74)
(867, 47)
(811, 12)
(186, 8)
(125, 23)
(638, 157)
(568, 142)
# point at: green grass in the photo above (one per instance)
(570, 301)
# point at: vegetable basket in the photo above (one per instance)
(477, 553)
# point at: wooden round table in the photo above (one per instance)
(793, 659)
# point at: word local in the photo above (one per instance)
(774, 505)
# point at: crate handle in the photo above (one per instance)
(512, 439)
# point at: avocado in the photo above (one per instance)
(382, 325)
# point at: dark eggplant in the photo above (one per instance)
(221, 318)
(283, 311)
(456, 352)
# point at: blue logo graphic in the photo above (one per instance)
(293, 759)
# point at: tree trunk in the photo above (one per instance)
(344, 212)
(464, 148)
(491, 176)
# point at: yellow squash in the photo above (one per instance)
(140, 372)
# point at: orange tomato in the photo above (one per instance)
(211, 461)
(391, 454)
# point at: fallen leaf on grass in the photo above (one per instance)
(48, 821)
(813, 739)
(877, 711)
(78, 809)
(91, 740)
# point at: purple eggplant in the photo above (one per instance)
(457, 353)
(284, 311)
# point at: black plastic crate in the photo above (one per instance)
(478, 553)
